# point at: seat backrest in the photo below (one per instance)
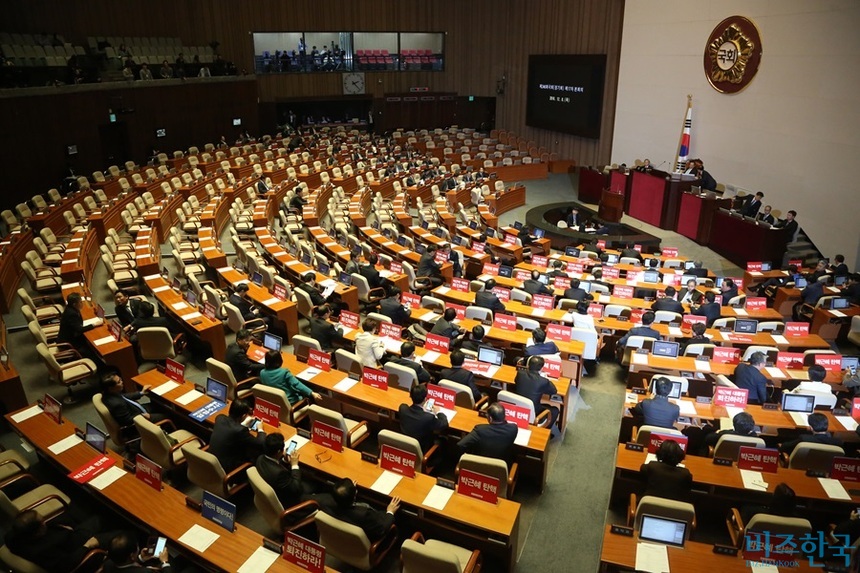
(402, 442)
(421, 558)
(153, 442)
(235, 321)
(204, 470)
(155, 343)
(644, 435)
(479, 313)
(345, 541)
(812, 456)
(277, 397)
(18, 564)
(517, 400)
(330, 417)
(222, 373)
(492, 467)
(729, 446)
(348, 362)
(301, 344)
(265, 499)
(113, 428)
(464, 397)
(404, 376)
(669, 508)
(778, 525)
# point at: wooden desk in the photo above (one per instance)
(695, 216)
(14, 249)
(492, 528)
(742, 241)
(161, 512)
(619, 554)
(284, 311)
(831, 326)
(399, 252)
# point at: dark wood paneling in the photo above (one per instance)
(485, 39)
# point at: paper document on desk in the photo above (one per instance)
(838, 313)
(345, 384)
(753, 480)
(386, 482)
(65, 444)
(732, 411)
(652, 558)
(741, 312)
(260, 560)
(271, 301)
(199, 538)
(392, 345)
(799, 418)
(631, 398)
(604, 299)
(833, 488)
(308, 373)
(491, 371)
(756, 273)
(675, 331)
(162, 288)
(179, 305)
(188, 397)
(703, 365)
(104, 340)
(292, 263)
(640, 359)
(775, 372)
(443, 290)
(26, 414)
(484, 278)
(438, 497)
(523, 437)
(429, 316)
(155, 276)
(429, 356)
(191, 315)
(448, 413)
(779, 339)
(538, 311)
(847, 422)
(345, 330)
(163, 389)
(106, 478)
(92, 321)
(688, 408)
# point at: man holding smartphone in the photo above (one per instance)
(273, 466)
(124, 555)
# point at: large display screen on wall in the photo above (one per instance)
(565, 93)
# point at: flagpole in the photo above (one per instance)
(683, 125)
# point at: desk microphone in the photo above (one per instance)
(661, 165)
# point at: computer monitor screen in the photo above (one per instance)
(473, 225)
(191, 298)
(797, 403)
(571, 252)
(324, 269)
(586, 286)
(839, 303)
(518, 225)
(689, 265)
(306, 259)
(685, 278)
(663, 530)
(490, 355)
(346, 279)
(401, 240)
(272, 341)
(746, 325)
(439, 232)
(611, 259)
(420, 249)
(676, 390)
(850, 363)
(651, 277)
(216, 390)
(96, 438)
(257, 278)
(425, 225)
(800, 282)
(386, 233)
(175, 284)
(766, 266)
(839, 281)
(543, 279)
(491, 232)
(506, 271)
(665, 348)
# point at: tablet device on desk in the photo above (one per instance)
(689, 265)
(490, 355)
(473, 225)
(375, 225)
(611, 259)
(746, 325)
(543, 279)
(346, 279)
(425, 225)
(839, 303)
(797, 403)
(401, 240)
(272, 341)
(651, 277)
(766, 266)
(257, 278)
(800, 282)
(676, 391)
(685, 278)
(839, 281)
(175, 284)
(96, 438)
(540, 233)
(324, 269)
(386, 233)
(237, 264)
(850, 363)
(216, 390)
(665, 348)
(518, 225)
(420, 249)
(663, 530)
(491, 232)
(457, 240)
(506, 271)
(306, 259)
(571, 252)
(586, 286)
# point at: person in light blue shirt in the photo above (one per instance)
(276, 376)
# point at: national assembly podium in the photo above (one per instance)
(742, 239)
(696, 213)
(655, 197)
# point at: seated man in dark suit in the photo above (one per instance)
(126, 308)
(237, 359)
(282, 471)
(839, 268)
(494, 440)
(391, 307)
(697, 270)
(531, 384)
(668, 302)
(644, 330)
(232, 442)
(789, 224)
(72, 326)
(743, 424)
(852, 288)
(323, 331)
(428, 267)
(124, 407)
(373, 522)
(557, 269)
(819, 423)
(749, 376)
(664, 477)
(533, 286)
(574, 292)
(658, 410)
(240, 300)
(710, 310)
(316, 295)
(460, 375)
(125, 556)
(811, 294)
(407, 359)
(418, 423)
(487, 298)
(630, 253)
(368, 271)
(766, 216)
(689, 294)
(476, 339)
(541, 346)
(728, 290)
(445, 326)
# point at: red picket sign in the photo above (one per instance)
(461, 310)
(789, 360)
(390, 330)
(756, 303)
(540, 261)
(656, 439)
(319, 359)
(267, 411)
(504, 321)
(327, 436)
(174, 370)
(831, 362)
(758, 459)
(375, 378)
(558, 332)
(444, 397)
(669, 251)
(754, 266)
(518, 415)
(561, 283)
(479, 486)
(543, 301)
(437, 343)
(397, 460)
(490, 269)
(458, 284)
(304, 553)
(148, 472)
(503, 293)
(797, 329)
(726, 355)
(622, 291)
(732, 397)
(349, 319)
